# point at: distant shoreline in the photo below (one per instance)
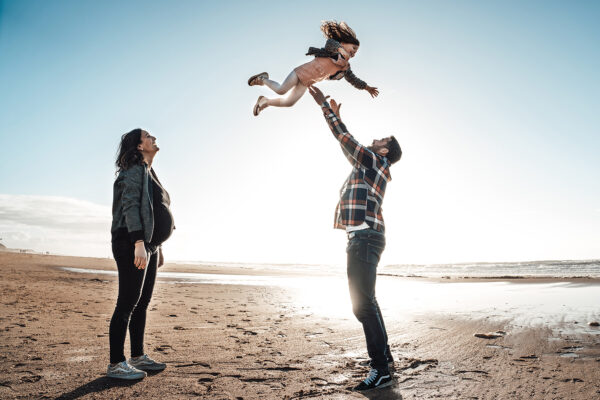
(301, 269)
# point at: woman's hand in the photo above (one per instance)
(372, 91)
(161, 259)
(140, 256)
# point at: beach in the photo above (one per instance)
(235, 333)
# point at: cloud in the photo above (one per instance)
(56, 224)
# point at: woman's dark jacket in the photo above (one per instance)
(132, 204)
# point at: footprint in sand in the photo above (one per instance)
(163, 348)
(490, 335)
(31, 378)
(497, 346)
(417, 365)
(527, 358)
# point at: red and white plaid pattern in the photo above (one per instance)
(361, 196)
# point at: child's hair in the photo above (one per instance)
(339, 31)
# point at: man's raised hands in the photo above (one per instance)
(320, 98)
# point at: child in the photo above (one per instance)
(330, 62)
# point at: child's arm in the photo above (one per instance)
(360, 84)
(332, 45)
(335, 48)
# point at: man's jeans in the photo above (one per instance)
(364, 250)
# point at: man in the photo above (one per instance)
(359, 213)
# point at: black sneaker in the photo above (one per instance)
(390, 362)
(375, 380)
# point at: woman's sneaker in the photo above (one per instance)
(124, 371)
(376, 379)
(145, 363)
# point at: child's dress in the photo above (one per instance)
(327, 64)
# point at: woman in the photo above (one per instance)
(141, 222)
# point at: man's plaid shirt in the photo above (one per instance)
(362, 194)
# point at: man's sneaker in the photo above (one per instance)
(145, 363)
(376, 379)
(124, 371)
(391, 363)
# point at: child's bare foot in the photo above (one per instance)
(258, 79)
(260, 105)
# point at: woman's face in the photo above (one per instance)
(351, 49)
(148, 143)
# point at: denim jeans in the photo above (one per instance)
(364, 250)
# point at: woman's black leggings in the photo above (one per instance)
(135, 292)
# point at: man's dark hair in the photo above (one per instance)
(128, 154)
(394, 150)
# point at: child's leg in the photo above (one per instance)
(297, 92)
(290, 82)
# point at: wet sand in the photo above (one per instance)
(261, 342)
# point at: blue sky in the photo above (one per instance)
(494, 103)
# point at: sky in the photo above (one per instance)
(495, 105)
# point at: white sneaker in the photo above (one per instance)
(145, 363)
(124, 371)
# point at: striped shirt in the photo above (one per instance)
(361, 196)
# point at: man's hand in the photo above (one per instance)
(317, 95)
(161, 259)
(336, 108)
(372, 91)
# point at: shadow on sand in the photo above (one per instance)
(388, 393)
(98, 385)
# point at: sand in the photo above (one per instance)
(259, 342)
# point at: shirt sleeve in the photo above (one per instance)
(132, 197)
(332, 45)
(354, 80)
(354, 151)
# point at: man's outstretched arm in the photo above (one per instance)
(355, 151)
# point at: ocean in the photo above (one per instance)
(537, 269)
(523, 269)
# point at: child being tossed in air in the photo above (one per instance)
(330, 62)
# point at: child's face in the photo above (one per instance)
(351, 49)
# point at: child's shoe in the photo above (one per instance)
(258, 79)
(260, 105)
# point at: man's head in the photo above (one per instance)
(387, 147)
